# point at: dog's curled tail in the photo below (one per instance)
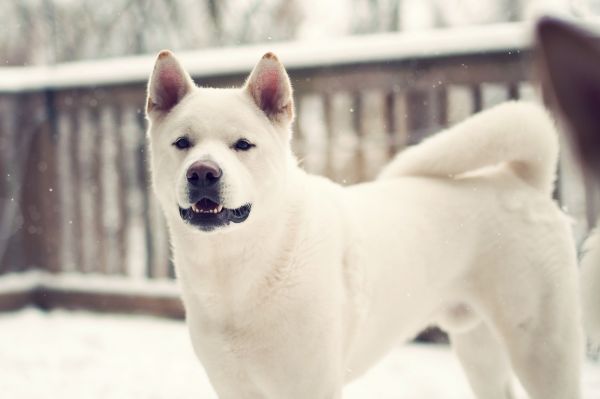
(520, 134)
(590, 286)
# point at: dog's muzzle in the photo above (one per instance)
(204, 193)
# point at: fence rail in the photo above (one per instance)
(75, 195)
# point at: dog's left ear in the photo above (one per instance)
(270, 88)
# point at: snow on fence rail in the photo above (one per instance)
(74, 192)
(296, 55)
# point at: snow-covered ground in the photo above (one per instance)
(82, 355)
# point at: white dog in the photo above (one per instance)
(294, 285)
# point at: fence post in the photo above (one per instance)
(39, 197)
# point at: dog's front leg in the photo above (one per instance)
(295, 362)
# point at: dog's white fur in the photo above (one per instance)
(321, 280)
(590, 286)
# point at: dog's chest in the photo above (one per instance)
(265, 312)
(258, 344)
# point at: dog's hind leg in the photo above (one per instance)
(538, 320)
(545, 350)
(484, 361)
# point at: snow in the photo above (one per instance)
(297, 54)
(83, 355)
(19, 282)
(76, 282)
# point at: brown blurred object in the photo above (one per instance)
(568, 58)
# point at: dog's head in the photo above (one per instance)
(218, 156)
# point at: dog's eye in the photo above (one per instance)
(182, 143)
(243, 145)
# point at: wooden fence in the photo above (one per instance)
(75, 201)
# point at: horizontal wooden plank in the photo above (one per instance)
(17, 300)
(48, 299)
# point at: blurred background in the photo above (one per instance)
(79, 227)
(36, 32)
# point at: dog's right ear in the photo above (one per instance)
(569, 58)
(168, 84)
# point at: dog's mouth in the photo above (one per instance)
(206, 206)
(207, 215)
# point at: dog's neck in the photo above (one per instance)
(226, 269)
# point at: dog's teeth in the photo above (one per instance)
(215, 210)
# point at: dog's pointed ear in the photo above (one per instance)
(168, 84)
(569, 58)
(270, 88)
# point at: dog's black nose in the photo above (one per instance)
(203, 173)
